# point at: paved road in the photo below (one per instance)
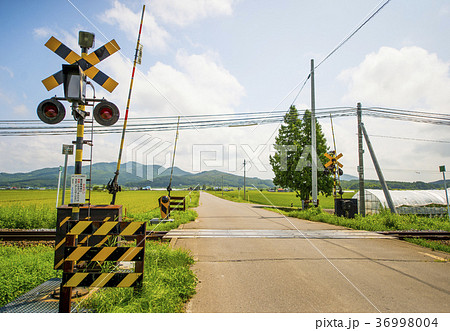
(263, 274)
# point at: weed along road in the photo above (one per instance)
(252, 260)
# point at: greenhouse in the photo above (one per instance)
(421, 202)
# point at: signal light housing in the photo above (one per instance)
(106, 113)
(51, 111)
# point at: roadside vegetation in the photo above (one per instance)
(28, 209)
(168, 284)
(277, 199)
(168, 280)
(24, 268)
(384, 221)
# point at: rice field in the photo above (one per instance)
(32, 209)
(277, 199)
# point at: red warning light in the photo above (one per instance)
(51, 111)
(106, 113)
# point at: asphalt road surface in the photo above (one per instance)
(289, 265)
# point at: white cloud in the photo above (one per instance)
(42, 32)
(197, 84)
(187, 11)
(8, 70)
(153, 36)
(406, 77)
(20, 110)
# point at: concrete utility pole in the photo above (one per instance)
(442, 169)
(387, 195)
(313, 138)
(362, 203)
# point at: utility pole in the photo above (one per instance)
(66, 150)
(222, 186)
(244, 179)
(387, 195)
(442, 169)
(59, 182)
(313, 138)
(362, 202)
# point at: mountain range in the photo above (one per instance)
(132, 174)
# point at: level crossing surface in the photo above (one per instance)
(249, 259)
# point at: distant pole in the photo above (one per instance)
(387, 195)
(442, 169)
(313, 137)
(222, 186)
(244, 179)
(67, 150)
(59, 182)
(362, 202)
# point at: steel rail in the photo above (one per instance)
(49, 235)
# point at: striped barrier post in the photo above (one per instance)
(73, 254)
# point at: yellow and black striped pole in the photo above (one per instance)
(113, 186)
(65, 301)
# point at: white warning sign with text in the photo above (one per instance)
(78, 189)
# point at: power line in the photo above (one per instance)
(409, 138)
(207, 121)
(374, 12)
(148, 124)
(359, 27)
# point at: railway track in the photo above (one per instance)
(431, 235)
(49, 235)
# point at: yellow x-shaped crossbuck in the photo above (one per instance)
(87, 63)
(333, 160)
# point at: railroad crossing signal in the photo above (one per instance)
(335, 166)
(87, 64)
(73, 76)
(333, 160)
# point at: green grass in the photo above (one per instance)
(435, 245)
(168, 284)
(278, 199)
(384, 221)
(17, 216)
(27, 209)
(24, 268)
(168, 281)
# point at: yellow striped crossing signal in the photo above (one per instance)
(86, 63)
(333, 160)
(164, 206)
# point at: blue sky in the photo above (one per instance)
(231, 56)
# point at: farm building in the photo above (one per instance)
(421, 202)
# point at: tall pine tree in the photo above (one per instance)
(291, 162)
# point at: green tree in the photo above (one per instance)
(291, 162)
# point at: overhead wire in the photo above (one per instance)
(374, 12)
(148, 124)
(166, 123)
(371, 15)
